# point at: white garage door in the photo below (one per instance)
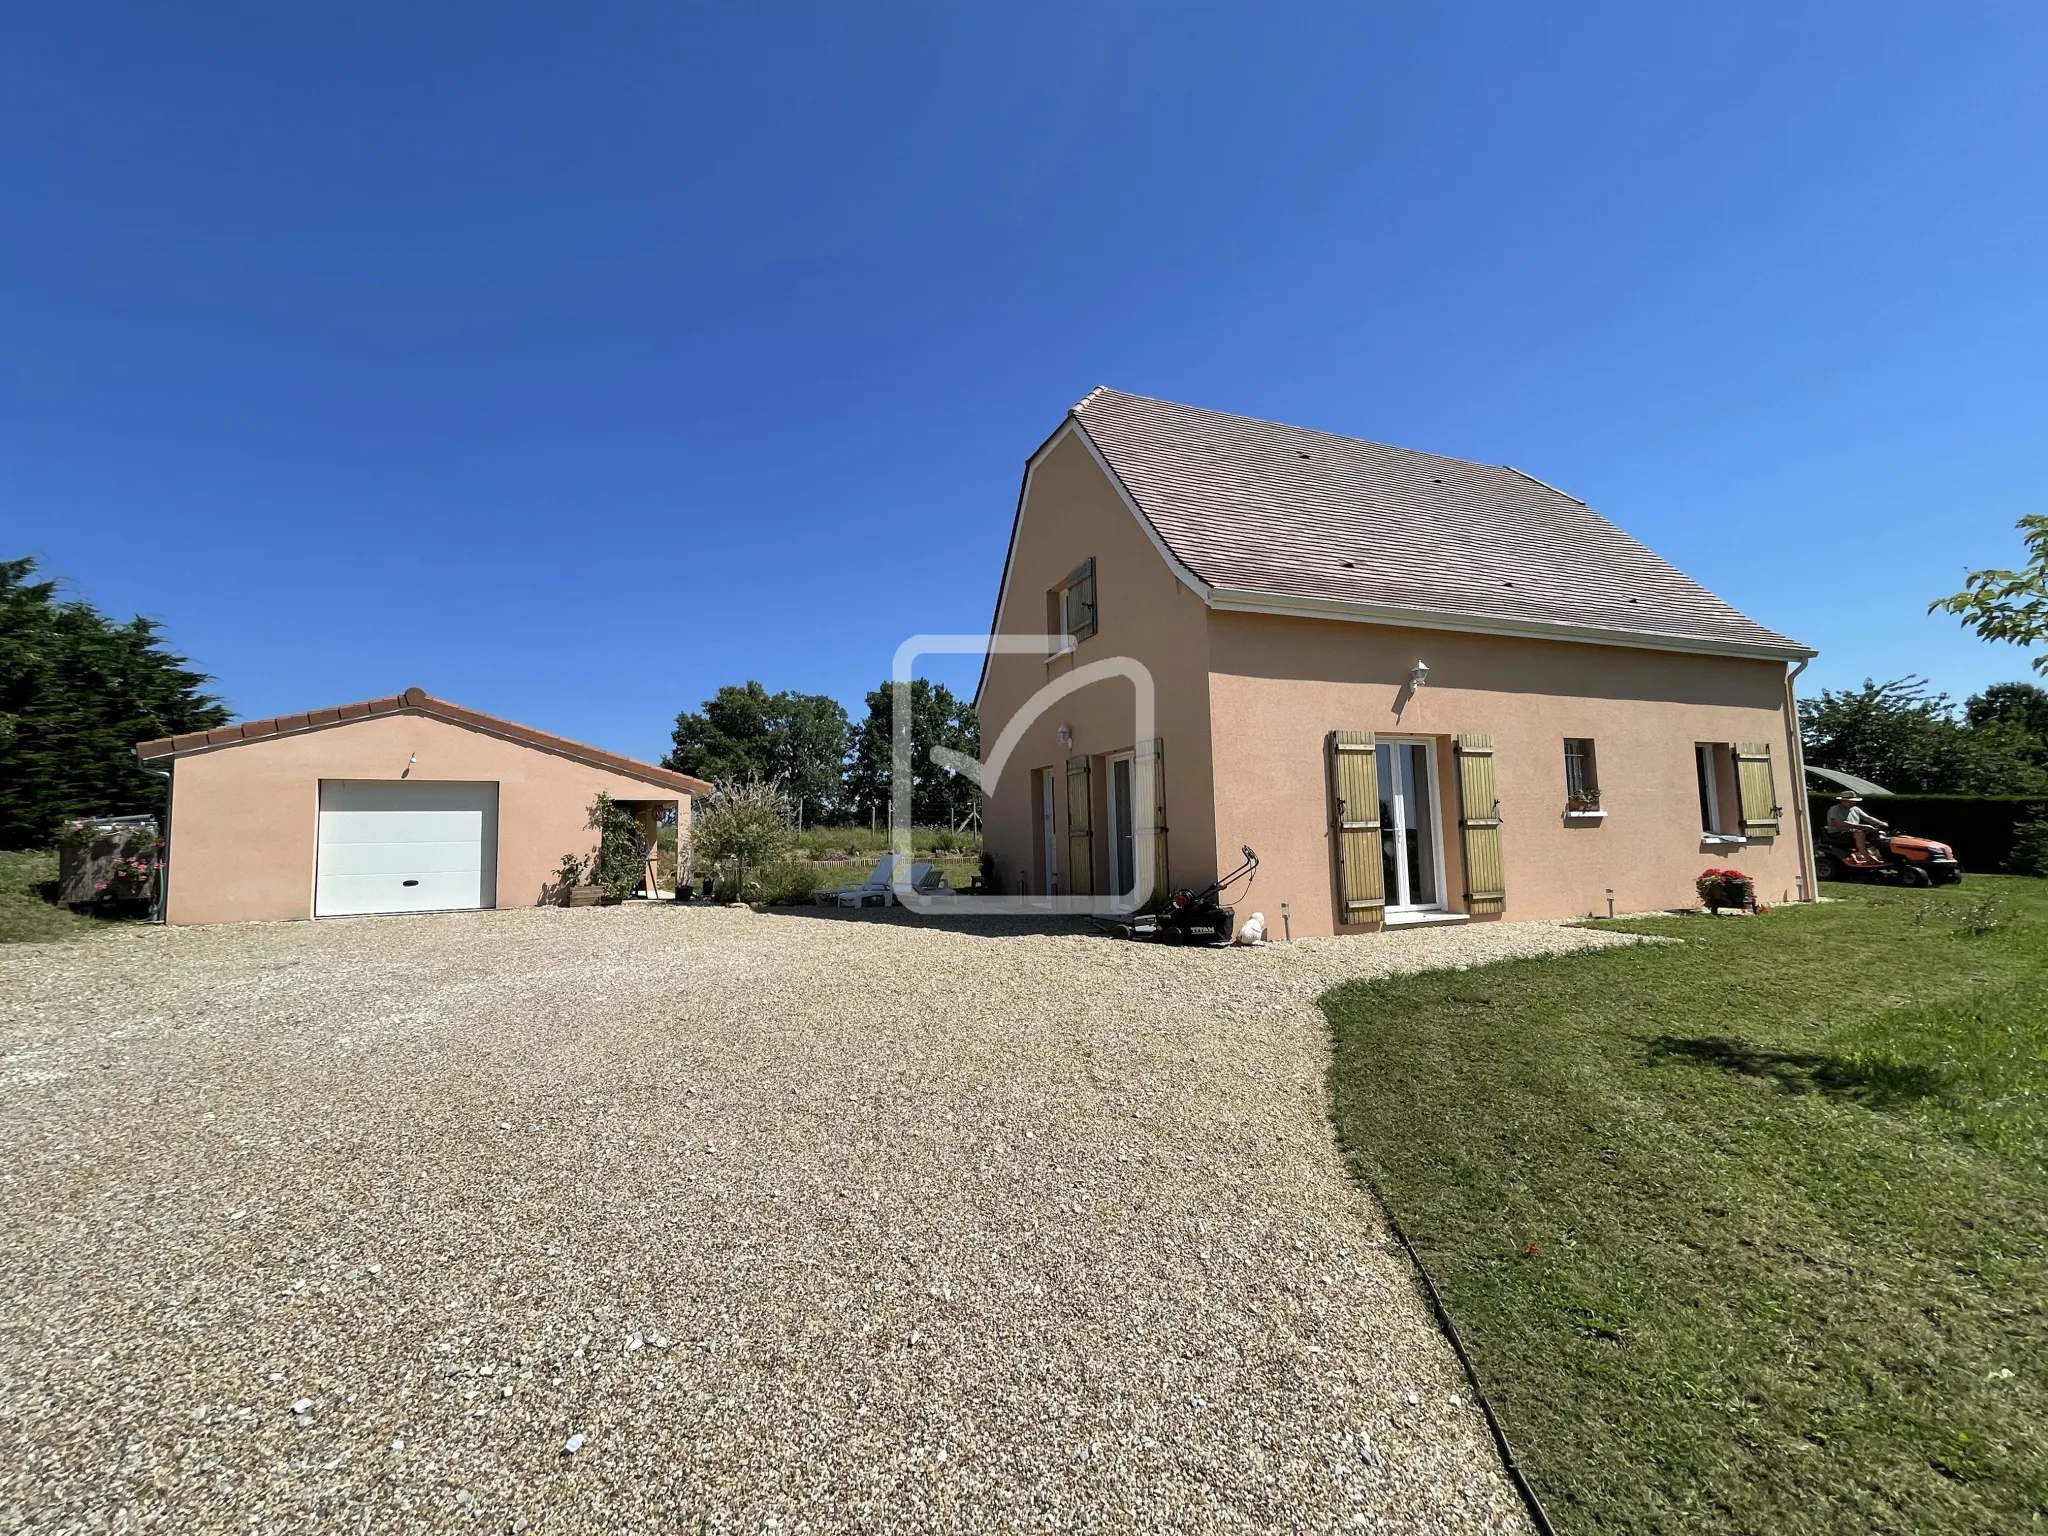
(390, 845)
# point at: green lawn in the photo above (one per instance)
(25, 917)
(1748, 1233)
(863, 843)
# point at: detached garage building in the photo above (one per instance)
(406, 804)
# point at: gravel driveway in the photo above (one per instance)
(784, 1222)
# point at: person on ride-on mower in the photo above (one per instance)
(1847, 815)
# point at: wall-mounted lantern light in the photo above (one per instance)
(1067, 737)
(1419, 676)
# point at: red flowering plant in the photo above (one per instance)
(108, 863)
(131, 876)
(1720, 888)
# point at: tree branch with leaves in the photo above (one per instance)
(2011, 606)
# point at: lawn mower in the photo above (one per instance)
(1191, 917)
(1893, 858)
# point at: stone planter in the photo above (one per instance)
(1739, 895)
(108, 863)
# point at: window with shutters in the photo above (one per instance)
(1070, 607)
(1581, 775)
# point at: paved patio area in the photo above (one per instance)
(782, 1222)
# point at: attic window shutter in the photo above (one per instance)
(1080, 829)
(1149, 794)
(1080, 600)
(1352, 766)
(1753, 782)
(1479, 826)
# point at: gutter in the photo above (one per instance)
(161, 905)
(1244, 600)
(1802, 808)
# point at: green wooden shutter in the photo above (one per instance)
(1354, 780)
(1080, 600)
(1080, 830)
(1479, 823)
(1753, 782)
(1149, 795)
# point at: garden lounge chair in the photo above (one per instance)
(930, 885)
(875, 891)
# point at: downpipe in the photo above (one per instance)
(163, 866)
(1802, 807)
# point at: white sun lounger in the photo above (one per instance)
(875, 891)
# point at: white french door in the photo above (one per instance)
(1123, 830)
(1410, 837)
(1050, 833)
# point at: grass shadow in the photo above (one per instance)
(1877, 1083)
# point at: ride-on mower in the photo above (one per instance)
(1893, 858)
(1191, 917)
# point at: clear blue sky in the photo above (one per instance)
(571, 361)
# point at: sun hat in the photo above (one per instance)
(1848, 794)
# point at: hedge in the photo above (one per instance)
(1979, 828)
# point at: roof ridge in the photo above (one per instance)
(1567, 495)
(1289, 426)
(416, 700)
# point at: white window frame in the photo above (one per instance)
(1120, 895)
(1706, 766)
(1433, 835)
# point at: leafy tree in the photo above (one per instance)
(2009, 605)
(939, 796)
(2020, 704)
(1911, 742)
(747, 824)
(77, 692)
(798, 740)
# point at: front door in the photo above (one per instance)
(1409, 840)
(1123, 831)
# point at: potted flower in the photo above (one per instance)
(1582, 800)
(1720, 888)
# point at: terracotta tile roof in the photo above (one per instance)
(416, 701)
(1259, 508)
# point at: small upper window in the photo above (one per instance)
(1071, 605)
(1581, 775)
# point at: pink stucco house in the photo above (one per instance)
(1425, 690)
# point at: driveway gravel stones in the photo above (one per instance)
(679, 1219)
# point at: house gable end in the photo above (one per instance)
(1072, 430)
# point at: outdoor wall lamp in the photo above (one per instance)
(1067, 737)
(1419, 676)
